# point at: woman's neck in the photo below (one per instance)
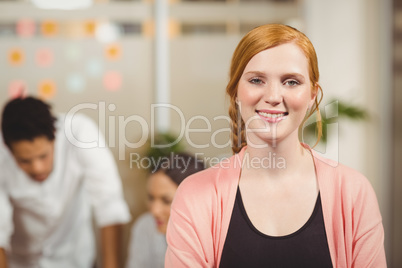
(276, 160)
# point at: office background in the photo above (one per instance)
(113, 59)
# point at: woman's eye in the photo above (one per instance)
(292, 83)
(256, 81)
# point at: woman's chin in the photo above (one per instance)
(162, 229)
(264, 141)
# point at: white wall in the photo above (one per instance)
(337, 32)
(352, 42)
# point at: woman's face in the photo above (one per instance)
(274, 93)
(161, 190)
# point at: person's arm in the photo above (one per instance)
(3, 258)
(189, 237)
(368, 238)
(103, 186)
(6, 222)
(110, 246)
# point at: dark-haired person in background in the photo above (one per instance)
(148, 240)
(48, 186)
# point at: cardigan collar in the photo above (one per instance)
(326, 173)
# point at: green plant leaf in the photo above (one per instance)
(345, 111)
(156, 152)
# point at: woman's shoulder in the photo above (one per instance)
(145, 219)
(201, 180)
(198, 185)
(144, 225)
(209, 185)
(213, 178)
(336, 175)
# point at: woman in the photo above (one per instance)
(275, 203)
(148, 242)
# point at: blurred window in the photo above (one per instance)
(199, 28)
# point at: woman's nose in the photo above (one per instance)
(273, 94)
(155, 208)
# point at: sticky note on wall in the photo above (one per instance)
(89, 28)
(112, 80)
(47, 89)
(94, 67)
(44, 57)
(73, 52)
(113, 52)
(17, 88)
(16, 56)
(75, 83)
(25, 28)
(49, 28)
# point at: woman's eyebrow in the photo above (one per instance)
(258, 73)
(293, 75)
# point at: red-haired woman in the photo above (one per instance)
(275, 203)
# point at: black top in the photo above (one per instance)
(247, 247)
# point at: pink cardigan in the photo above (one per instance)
(203, 205)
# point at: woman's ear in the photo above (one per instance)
(314, 94)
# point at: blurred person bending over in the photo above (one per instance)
(48, 185)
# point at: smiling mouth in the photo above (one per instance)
(272, 115)
(159, 222)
